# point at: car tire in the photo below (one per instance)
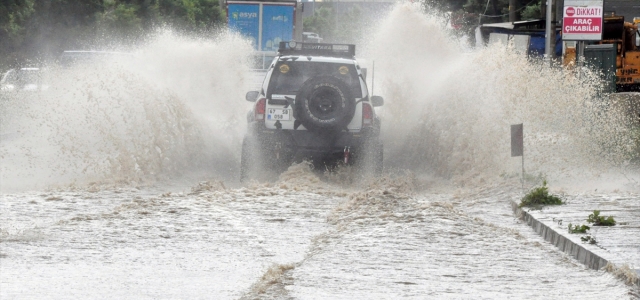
(324, 103)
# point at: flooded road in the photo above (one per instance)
(121, 181)
(299, 238)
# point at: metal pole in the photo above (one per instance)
(512, 10)
(260, 27)
(522, 141)
(552, 36)
(549, 32)
(523, 162)
(373, 76)
(580, 58)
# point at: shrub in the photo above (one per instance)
(589, 239)
(578, 229)
(540, 196)
(598, 220)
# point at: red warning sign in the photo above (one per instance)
(582, 23)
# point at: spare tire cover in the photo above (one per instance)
(324, 102)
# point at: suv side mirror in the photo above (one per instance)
(377, 101)
(252, 96)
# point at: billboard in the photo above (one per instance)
(582, 20)
(245, 19)
(277, 25)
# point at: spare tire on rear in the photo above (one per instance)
(324, 103)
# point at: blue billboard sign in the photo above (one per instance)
(277, 25)
(245, 19)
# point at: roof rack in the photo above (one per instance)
(319, 49)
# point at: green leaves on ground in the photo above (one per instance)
(589, 239)
(598, 220)
(578, 229)
(540, 196)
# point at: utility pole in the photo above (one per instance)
(512, 10)
(550, 32)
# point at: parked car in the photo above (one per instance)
(23, 79)
(311, 37)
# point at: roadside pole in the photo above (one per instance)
(373, 76)
(580, 58)
(517, 145)
(512, 10)
(550, 33)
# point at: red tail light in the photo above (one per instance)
(260, 109)
(367, 114)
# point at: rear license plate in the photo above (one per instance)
(278, 114)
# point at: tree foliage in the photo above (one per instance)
(13, 14)
(465, 15)
(351, 28)
(322, 22)
(531, 11)
(344, 27)
(29, 26)
(487, 11)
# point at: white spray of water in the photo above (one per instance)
(448, 110)
(173, 106)
(176, 106)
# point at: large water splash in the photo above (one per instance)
(448, 110)
(168, 108)
(176, 106)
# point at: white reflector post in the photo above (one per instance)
(516, 140)
(517, 145)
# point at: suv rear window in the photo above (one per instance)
(288, 76)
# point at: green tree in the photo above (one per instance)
(14, 15)
(191, 15)
(491, 11)
(122, 18)
(322, 22)
(350, 27)
(531, 11)
(43, 28)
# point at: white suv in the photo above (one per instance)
(313, 105)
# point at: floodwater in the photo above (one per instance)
(121, 181)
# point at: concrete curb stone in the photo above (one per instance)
(566, 245)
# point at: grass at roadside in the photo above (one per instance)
(540, 196)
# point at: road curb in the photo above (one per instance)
(579, 252)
